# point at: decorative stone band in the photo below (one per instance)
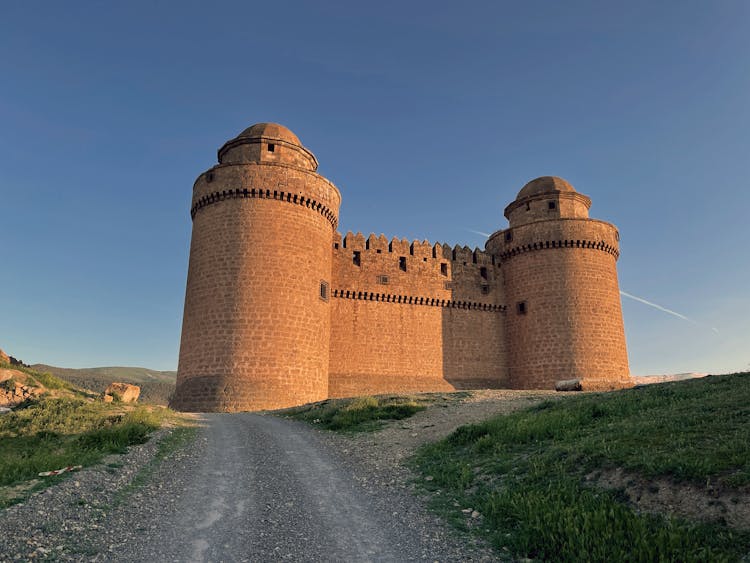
(296, 199)
(411, 300)
(601, 245)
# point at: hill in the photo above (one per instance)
(156, 386)
(654, 473)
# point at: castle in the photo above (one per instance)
(281, 310)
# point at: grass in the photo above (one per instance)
(360, 414)
(525, 472)
(52, 433)
(41, 378)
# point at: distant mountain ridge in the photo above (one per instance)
(156, 386)
(138, 375)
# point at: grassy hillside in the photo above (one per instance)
(531, 482)
(156, 386)
(63, 427)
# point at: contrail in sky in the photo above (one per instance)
(478, 232)
(675, 313)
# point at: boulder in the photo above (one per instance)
(13, 388)
(124, 392)
(568, 385)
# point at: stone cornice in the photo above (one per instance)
(254, 193)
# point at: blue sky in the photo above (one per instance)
(428, 116)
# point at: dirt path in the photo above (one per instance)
(258, 488)
(249, 488)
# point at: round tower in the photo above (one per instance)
(255, 333)
(564, 317)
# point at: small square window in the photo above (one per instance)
(444, 269)
(383, 280)
(448, 285)
(521, 307)
(324, 290)
(551, 205)
(485, 290)
(271, 147)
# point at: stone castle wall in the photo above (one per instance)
(281, 310)
(413, 317)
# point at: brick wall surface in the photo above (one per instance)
(564, 274)
(255, 330)
(413, 316)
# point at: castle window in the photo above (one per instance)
(483, 272)
(402, 263)
(528, 206)
(448, 285)
(551, 205)
(356, 258)
(444, 269)
(508, 235)
(383, 280)
(324, 290)
(271, 147)
(336, 245)
(485, 289)
(210, 177)
(378, 251)
(521, 307)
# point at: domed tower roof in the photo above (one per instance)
(545, 185)
(545, 198)
(267, 143)
(270, 131)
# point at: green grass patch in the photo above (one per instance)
(525, 472)
(43, 378)
(360, 414)
(56, 432)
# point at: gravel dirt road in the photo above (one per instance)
(259, 488)
(249, 488)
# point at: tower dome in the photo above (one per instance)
(545, 198)
(268, 143)
(545, 185)
(270, 131)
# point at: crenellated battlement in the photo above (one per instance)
(380, 244)
(438, 270)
